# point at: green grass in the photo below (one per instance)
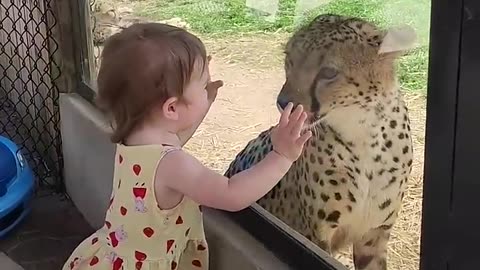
(229, 17)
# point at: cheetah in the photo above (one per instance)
(347, 187)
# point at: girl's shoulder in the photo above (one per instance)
(148, 150)
(139, 160)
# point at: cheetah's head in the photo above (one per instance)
(337, 62)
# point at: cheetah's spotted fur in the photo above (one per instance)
(348, 185)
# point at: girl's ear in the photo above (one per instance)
(170, 108)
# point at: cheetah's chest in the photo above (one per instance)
(367, 182)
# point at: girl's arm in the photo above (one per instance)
(211, 189)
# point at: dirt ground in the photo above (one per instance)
(251, 68)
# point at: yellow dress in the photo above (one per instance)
(138, 234)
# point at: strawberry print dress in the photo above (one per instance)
(137, 234)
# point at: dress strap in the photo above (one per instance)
(168, 149)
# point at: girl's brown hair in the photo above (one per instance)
(142, 66)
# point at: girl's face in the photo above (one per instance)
(195, 104)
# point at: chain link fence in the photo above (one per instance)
(29, 109)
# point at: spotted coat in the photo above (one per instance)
(347, 187)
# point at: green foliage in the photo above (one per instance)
(229, 17)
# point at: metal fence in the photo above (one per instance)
(29, 109)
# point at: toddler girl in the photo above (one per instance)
(154, 81)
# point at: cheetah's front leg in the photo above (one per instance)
(370, 253)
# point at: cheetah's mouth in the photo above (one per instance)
(313, 119)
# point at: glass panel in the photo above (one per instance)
(452, 122)
(351, 178)
(86, 26)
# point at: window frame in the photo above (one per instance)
(451, 146)
(83, 44)
(451, 93)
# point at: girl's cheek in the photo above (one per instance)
(206, 104)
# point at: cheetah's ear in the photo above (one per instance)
(398, 40)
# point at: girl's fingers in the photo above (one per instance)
(295, 115)
(304, 138)
(285, 115)
(298, 125)
(215, 85)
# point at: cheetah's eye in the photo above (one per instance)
(328, 73)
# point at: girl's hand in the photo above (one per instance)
(212, 90)
(286, 137)
(212, 87)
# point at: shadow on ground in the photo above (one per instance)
(48, 236)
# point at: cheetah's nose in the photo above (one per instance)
(282, 103)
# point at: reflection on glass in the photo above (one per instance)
(268, 7)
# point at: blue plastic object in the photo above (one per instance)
(16, 186)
